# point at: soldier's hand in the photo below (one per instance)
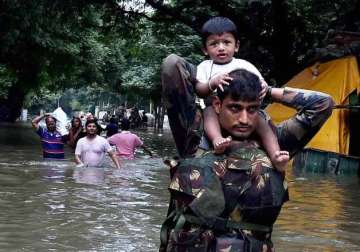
(264, 88)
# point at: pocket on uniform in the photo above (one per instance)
(194, 240)
(230, 243)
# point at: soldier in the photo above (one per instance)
(230, 201)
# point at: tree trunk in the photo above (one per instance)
(159, 115)
(285, 65)
(10, 108)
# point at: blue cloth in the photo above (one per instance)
(52, 143)
(111, 129)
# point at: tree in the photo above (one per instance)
(278, 36)
(54, 45)
(118, 45)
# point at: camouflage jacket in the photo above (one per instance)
(222, 195)
(219, 197)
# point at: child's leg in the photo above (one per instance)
(213, 131)
(271, 145)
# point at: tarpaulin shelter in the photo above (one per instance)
(338, 78)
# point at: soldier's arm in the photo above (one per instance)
(313, 109)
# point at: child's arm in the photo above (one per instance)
(203, 89)
(213, 131)
(267, 137)
(271, 145)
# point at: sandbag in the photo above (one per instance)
(61, 121)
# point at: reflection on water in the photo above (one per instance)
(46, 205)
(89, 175)
(323, 213)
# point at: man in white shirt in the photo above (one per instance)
(90, 150)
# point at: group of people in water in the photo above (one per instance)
(137, 118)
(228, 184)
(89, 147)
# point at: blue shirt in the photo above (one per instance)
(52, 144)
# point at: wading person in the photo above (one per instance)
(91, 149)
(91, 117)
(126, 142)
(75, 132)
(230, 201)
(51, 139)
(112, 128)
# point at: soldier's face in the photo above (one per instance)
(238, 118)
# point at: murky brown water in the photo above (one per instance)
(52, 206)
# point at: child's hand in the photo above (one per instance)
(218, 81)
(220, 144)
(264, 88)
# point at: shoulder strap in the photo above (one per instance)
(222, 224)
(167, 225)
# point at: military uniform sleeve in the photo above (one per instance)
(313, 109)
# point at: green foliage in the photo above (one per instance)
(147, 52)
(279, 37)
(57, 45)
(7, 79)
(43, 99)
(116, 47)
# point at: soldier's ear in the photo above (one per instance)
(216, 103)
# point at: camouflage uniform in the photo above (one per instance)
(227, 202)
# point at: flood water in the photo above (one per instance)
(52, 206)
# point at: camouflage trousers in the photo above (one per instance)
(185, 116)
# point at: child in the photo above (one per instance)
(220, 42)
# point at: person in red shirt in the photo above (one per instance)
(127, 142)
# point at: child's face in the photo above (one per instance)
(221, 47)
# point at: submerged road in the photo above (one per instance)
(48, 206)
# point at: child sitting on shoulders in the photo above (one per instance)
(220, 43)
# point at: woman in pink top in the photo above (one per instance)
(126, 142)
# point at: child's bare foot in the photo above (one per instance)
(280, 160)
(220, 144)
